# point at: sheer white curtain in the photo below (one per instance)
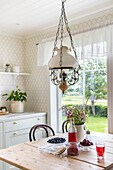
(88, 44)
(44, 53)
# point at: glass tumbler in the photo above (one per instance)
(100, 149)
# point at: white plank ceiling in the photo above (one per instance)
(28, 16)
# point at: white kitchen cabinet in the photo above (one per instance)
(1, 137)
(23, 123)
(14, 129)
(21, 136)
(16, 137)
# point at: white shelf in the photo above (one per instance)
(12, 73)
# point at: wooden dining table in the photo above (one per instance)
(28, 156)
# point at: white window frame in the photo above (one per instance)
(110, 92)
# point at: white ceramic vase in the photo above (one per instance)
(17, 107)
(80, 132)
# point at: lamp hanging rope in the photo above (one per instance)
(63, 63)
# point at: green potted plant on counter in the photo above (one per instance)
(17, 99)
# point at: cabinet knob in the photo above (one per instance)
(14, 122)
(15, 133)
(38, 119)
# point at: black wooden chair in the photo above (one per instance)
(64, 126)
(32, 132)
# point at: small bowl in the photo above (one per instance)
(85, 148)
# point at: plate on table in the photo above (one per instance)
(85, 148)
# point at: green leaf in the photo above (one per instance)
(5, 94)
(17, 95)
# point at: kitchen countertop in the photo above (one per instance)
(13, 116)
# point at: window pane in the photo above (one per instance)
(92, 91)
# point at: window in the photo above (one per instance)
(91, 90)
(95, 52)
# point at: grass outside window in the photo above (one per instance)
(94, 123)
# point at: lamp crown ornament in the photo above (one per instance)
(64, 66)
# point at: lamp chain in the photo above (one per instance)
(57, 34)
(61, 38)
(69, 32)
(63, 19)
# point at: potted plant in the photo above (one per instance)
(17, 98)
(80, 117)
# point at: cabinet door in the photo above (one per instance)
(14, 138)
(17, 137)
(1, 136)
(21, 136)
(9, 167)
(1, 165)
(1, 142)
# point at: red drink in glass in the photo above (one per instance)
(100, 151)
(72, 137)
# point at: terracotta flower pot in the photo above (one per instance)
(17, 107)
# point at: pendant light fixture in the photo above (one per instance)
(64, 66)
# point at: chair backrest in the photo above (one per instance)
(32, 132)
(64, 126)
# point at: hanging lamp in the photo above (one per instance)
(63, 65)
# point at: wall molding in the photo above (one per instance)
(11, 35)
(76, 28)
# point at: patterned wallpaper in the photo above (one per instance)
(15, 51)
(37, 84)
(11, 52)
(92, 22)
